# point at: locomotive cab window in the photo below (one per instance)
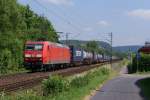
(38, 47)
(34, 47)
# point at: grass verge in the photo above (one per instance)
(16, 71)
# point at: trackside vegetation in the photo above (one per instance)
(19, 24)
(140, 65)
(59, 88)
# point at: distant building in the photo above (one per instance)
(147, 44)
(145, 49)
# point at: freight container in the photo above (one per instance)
(76, 55)
(88, 57)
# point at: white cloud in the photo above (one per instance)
(103, 23)
(141, 13)
(60, 2)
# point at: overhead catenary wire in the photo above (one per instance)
(39, 8)
(64, 18)
(69, 16)
(58, 15)
(79, 23)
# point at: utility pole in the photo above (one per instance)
(111, 47)
(111, 36)
(58, 33)
(67, 36)
(130, 55)
(111, 43)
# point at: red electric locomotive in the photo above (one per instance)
(44, 54)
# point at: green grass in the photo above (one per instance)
(144, 85)
(10, 72)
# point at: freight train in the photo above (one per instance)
(46, 55)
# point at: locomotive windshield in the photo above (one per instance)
(34, 47)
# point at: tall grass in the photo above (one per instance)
(28, 95)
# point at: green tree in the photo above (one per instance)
(19, 24)
(93, 47)
(5, 61)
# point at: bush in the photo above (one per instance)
(80, 81)
(130, 70)
(5, 61)
(141, 65)
(54, 85)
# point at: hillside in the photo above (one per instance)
(101, 44)
(119, 51)
(123, 49)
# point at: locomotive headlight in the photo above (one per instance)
(39, 55)
(27, 55)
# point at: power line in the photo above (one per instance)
(68, 15)
(54, 13)
(63, 18)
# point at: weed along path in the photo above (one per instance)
(123, 87)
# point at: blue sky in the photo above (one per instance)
(129, 20)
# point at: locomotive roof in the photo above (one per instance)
(59, 45)
(51, 43)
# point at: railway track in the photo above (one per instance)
(27, 80)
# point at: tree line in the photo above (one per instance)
(19, 24)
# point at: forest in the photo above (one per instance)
(19, 24)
